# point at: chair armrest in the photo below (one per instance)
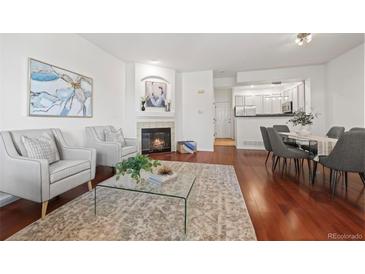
(131, 141)
(20, 176)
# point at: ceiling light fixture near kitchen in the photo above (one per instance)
(155, 62)
(303, 38)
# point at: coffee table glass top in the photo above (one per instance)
(180, 188)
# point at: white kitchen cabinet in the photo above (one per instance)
(276, 105)
(249, 100)
(239, 100)
(267, 105)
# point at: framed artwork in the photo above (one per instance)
(156, 94)
(57, 92)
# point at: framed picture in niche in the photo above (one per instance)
(58, 92)
(156, 94)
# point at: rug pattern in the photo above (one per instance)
(216, 211)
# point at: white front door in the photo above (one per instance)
(223, 120)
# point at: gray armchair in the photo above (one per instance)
(109, 153)
(35, 179)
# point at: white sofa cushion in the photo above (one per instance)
(42, 147)
(65, 168)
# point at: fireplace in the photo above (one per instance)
(156, 140)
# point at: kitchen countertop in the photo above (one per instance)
(267, 115)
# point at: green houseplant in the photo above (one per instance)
(302, 120)
(134, 165)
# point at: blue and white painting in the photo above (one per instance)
(58, 92)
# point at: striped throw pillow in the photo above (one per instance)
(42, 147)
(115, 136)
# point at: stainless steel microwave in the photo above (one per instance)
(287, 107)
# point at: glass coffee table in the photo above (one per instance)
(180, 189)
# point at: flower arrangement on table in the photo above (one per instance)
(303, 119)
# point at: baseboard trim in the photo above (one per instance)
(6, 199)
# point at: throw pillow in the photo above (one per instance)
(115, 136)
(42, 147)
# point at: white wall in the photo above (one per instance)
(225, 82)
(345, 89)
(223, 95)
(68, 51)
(314, 77)
(198, 108)
(178, 108)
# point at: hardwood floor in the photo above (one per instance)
(281, 206)
(287, 207)
(224, 142)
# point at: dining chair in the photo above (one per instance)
(335, 132)
(281, 128)
(357, 129)
(285, 128)
(348, 155)
(266, 140)
(280, 150)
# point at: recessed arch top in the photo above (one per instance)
(154, 77)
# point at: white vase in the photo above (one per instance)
(303, 130)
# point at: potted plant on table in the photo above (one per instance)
(134, 165)
(303, 121)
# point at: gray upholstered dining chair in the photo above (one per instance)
(357, 129)
(266, 140)
(285, 128)
(335, 132)
(36, 179)
(348, 155)
(280, 150)
(281, 128)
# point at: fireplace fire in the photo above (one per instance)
(158, 143)
(156, 140)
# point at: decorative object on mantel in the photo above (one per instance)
(134, 165)
(168, 106)
(143, 101)
(186, 147)
(303, 121)
(57, 92)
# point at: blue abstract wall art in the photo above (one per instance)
(58, 92)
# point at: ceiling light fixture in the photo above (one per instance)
(155, 62)
(303, 38)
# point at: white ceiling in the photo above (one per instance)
(224, 53)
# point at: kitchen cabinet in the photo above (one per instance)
(238, 100)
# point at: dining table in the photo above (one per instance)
(324, 145)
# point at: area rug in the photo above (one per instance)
(216, 211)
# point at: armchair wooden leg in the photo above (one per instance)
(90, 186)
(44, 209)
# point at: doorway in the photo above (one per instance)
(223, 120)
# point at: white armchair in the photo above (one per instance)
(109, 153)
(35, 179)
